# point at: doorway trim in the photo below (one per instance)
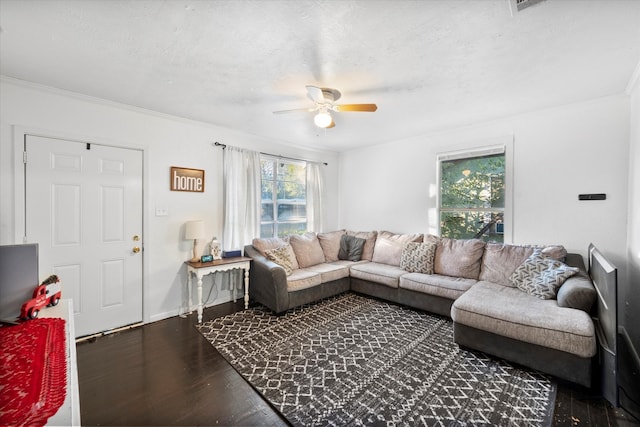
(19, 178)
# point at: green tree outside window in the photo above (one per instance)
(472, 197)
(284, 197)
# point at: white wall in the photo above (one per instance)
(557, 154)
(630, 292)
(166, 141)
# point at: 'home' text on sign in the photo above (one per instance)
(185, 179)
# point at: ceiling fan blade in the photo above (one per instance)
(296, 110)
(315, 93)
(331, 125)
(356, 107)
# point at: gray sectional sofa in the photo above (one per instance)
(472, 282)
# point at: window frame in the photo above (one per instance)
(500, 146)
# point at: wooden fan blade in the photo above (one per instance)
(332, 125)
(356, 107)
(296, 110)
(315, 93)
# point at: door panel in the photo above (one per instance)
(84, 205)
(112, 204)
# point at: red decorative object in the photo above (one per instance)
(33, 378)
(45, 294)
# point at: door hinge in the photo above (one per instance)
(24, 157)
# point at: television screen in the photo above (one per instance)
(18, 278)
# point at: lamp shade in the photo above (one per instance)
(194, 230)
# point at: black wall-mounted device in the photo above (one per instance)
(598, 196)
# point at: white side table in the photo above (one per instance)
(201, 269)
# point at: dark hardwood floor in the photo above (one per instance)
(166, 373)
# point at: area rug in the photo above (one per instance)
(353, 360)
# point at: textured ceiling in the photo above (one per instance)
(428, 65)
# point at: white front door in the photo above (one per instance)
(84, 209)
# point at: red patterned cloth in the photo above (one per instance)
(33, 378)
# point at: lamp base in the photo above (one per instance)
(195, 258)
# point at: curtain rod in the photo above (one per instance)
(219, 144)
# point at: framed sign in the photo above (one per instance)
(187, 179)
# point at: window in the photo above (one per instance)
(284, 197)
(472, 194)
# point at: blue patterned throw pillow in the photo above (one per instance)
(541, 276)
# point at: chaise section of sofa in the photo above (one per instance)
(555, 336)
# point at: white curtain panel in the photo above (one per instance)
(241, 197)
(315, 189)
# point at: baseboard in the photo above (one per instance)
(223, 297)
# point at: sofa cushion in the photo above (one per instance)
(435, 284)
(282, 257)
(264, 244)
(307, 249)
(541, 276)
(383, 274)
(501, 260)
(330, 243)
(459, 257)
(303, 278)
(511, 313)
(330, 272)
(370, 241)
(351, 248)
(388, 247)
(418, 257)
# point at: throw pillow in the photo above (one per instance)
(370, 241)
(541, 276)
(388, 247)
(264, 244)
(330, 243)
(307, 249)
(282, 257)
(351, 248)
(418, 257)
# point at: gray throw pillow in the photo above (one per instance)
(351, 248)
(541, 276)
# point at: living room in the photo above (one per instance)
(584, 143)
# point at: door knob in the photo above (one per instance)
(136, 249)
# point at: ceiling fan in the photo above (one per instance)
(324, 99)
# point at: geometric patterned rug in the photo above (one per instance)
(353, 360)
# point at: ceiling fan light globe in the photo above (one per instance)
(322, 120)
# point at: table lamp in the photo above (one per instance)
(194, 230)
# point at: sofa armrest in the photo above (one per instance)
(577, 291)
(268, 281)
